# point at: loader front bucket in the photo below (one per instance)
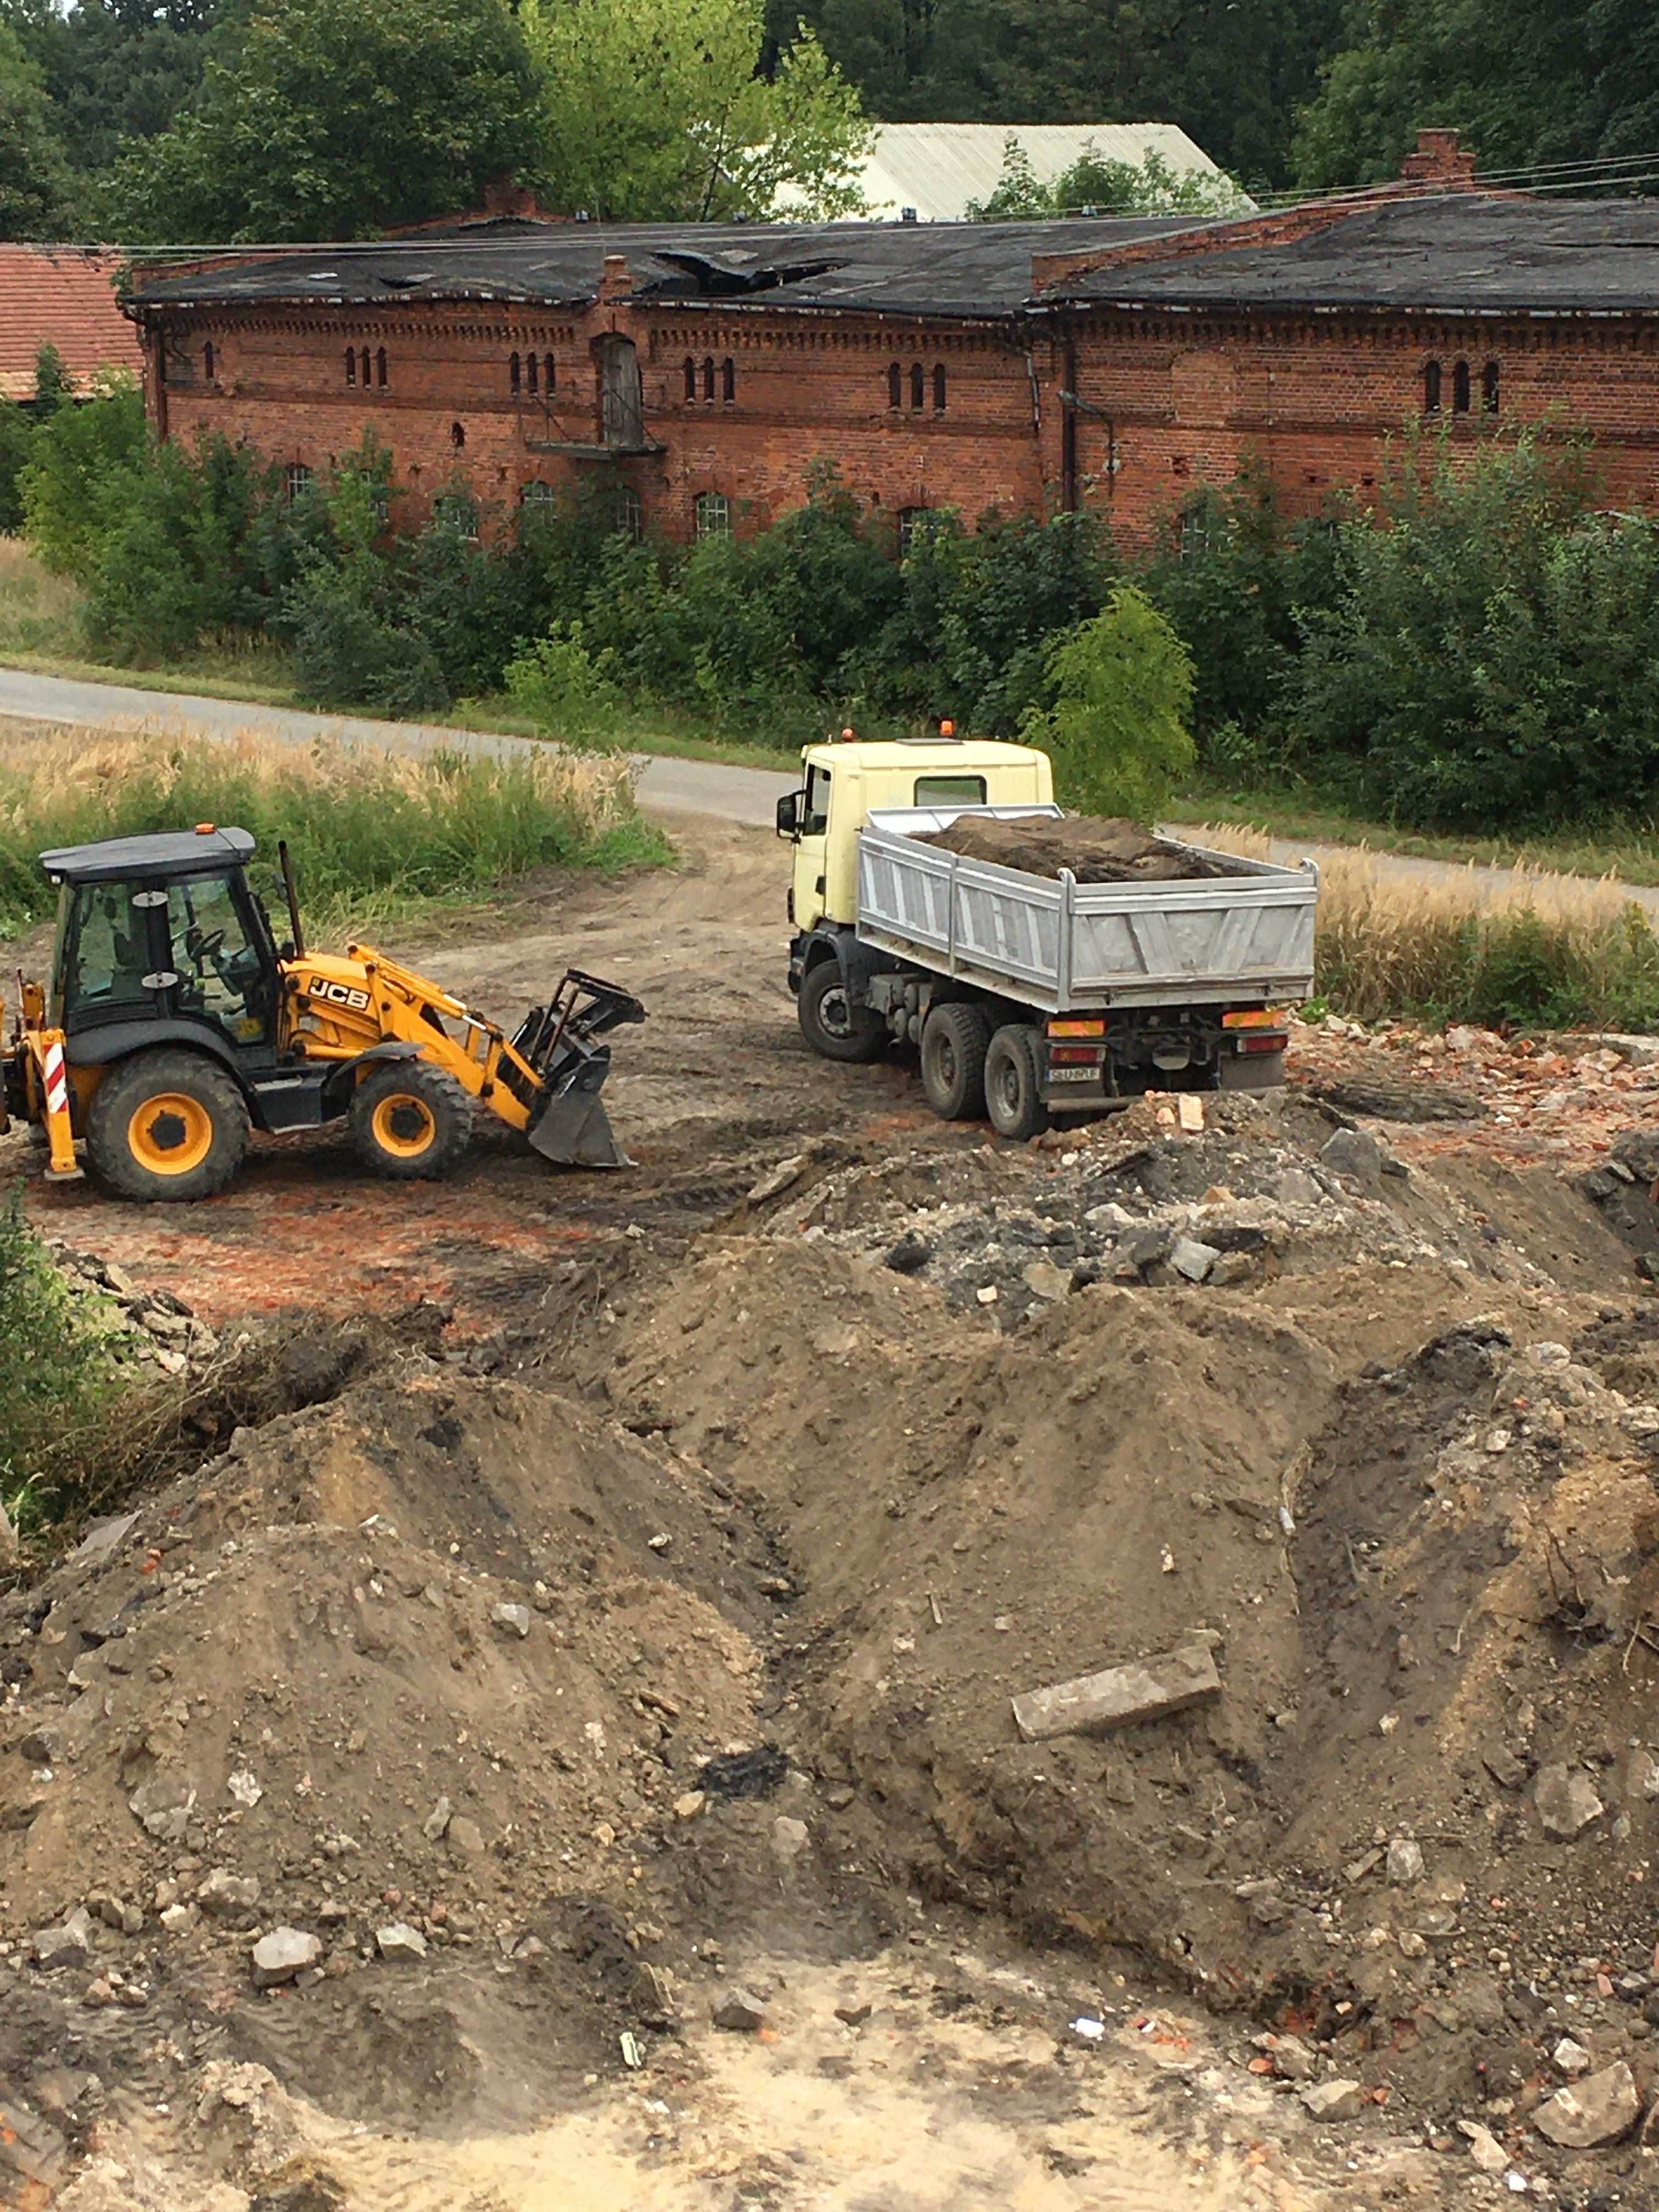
(571, 1125)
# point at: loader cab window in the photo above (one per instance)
(949, 791)
(219, 956)
(815, 823)
(103, 955)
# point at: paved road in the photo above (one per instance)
(690, 786)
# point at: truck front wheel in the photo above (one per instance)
(953, 1045)
(832, 1023)
(1013, 1090)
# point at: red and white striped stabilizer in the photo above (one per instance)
(56, 1081)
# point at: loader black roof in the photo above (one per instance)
(174, 853)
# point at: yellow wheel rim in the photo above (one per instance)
(171, 1134)
(404, 1126)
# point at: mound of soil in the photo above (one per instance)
(1097, 848)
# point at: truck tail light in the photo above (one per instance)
(1264, 1041)
(1078, 1029)
(1076, 1055)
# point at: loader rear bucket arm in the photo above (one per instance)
(559, 1042)
(47, 1077)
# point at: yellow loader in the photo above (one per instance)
(175, 1023)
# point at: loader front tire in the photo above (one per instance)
(167, 1126)
(410, 1121)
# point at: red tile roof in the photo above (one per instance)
(65, 294)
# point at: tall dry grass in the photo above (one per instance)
(373, 834)
(39, 612)
(1457, 944)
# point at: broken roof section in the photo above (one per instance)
(61, 295)
(1460, 254)
(971, 270)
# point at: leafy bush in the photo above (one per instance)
(1491, 653)
(16, 433)
(55, 1366)
(81, 475)
(565, 688)
(1117, 731)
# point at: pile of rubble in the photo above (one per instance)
(139, 1327)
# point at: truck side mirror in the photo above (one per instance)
(789, 815)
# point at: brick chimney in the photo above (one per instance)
(1440, 164)
(616, 283)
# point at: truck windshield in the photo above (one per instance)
(816, 823)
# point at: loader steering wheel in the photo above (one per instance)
(205, 946)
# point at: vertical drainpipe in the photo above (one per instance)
(154, 363)
(1068, 427)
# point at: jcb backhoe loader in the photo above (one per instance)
(175, 1022)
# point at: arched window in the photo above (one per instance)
(515, 373)
(629, 512)
(456, 512)
(351, 364)
(207, 361)
(363, 359)
(939, 388)
(691, 378)
(379, 366)
(296, 480)
(549, 378)
(918, 387)
(709, 376)
(1431, 388)
(457, 435)
(895, 386)
(714, 515)
(535, 494)
(728, 380)
(1461, 387)
(912, 526)
(534, 379)
(1489, 387)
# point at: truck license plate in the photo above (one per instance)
(1073, 1075)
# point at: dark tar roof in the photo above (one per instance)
(969, 269)
(175, 853)
(1461, 252)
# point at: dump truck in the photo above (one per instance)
(175, 1023)
(1029, 997)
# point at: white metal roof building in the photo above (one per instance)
(937, 168)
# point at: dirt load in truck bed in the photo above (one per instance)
(1097, 848)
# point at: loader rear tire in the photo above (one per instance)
(167, 1126)
(410, 1121)
(953, 1042)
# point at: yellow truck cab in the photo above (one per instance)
(849, 781)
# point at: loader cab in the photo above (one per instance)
(846, 781)
(161, 938)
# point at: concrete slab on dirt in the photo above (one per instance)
(1144, 1690)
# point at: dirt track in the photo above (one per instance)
(742, 1434)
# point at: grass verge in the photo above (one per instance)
(1544, 951)
(379, 840)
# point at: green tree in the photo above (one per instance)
(336, 118)
(1095, 181)
(1526, 81)
(84, 468)
(656, 110)
(34, 178)
(1117, 732)
(16, 437)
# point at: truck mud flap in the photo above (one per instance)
(572, 1126)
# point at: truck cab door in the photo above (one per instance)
(811, 849)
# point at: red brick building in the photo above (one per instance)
(700, 373)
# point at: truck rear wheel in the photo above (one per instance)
(1013, 1089)
(411, 1119)
(954, 1039)
(167, 1126)
(832, 1023)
